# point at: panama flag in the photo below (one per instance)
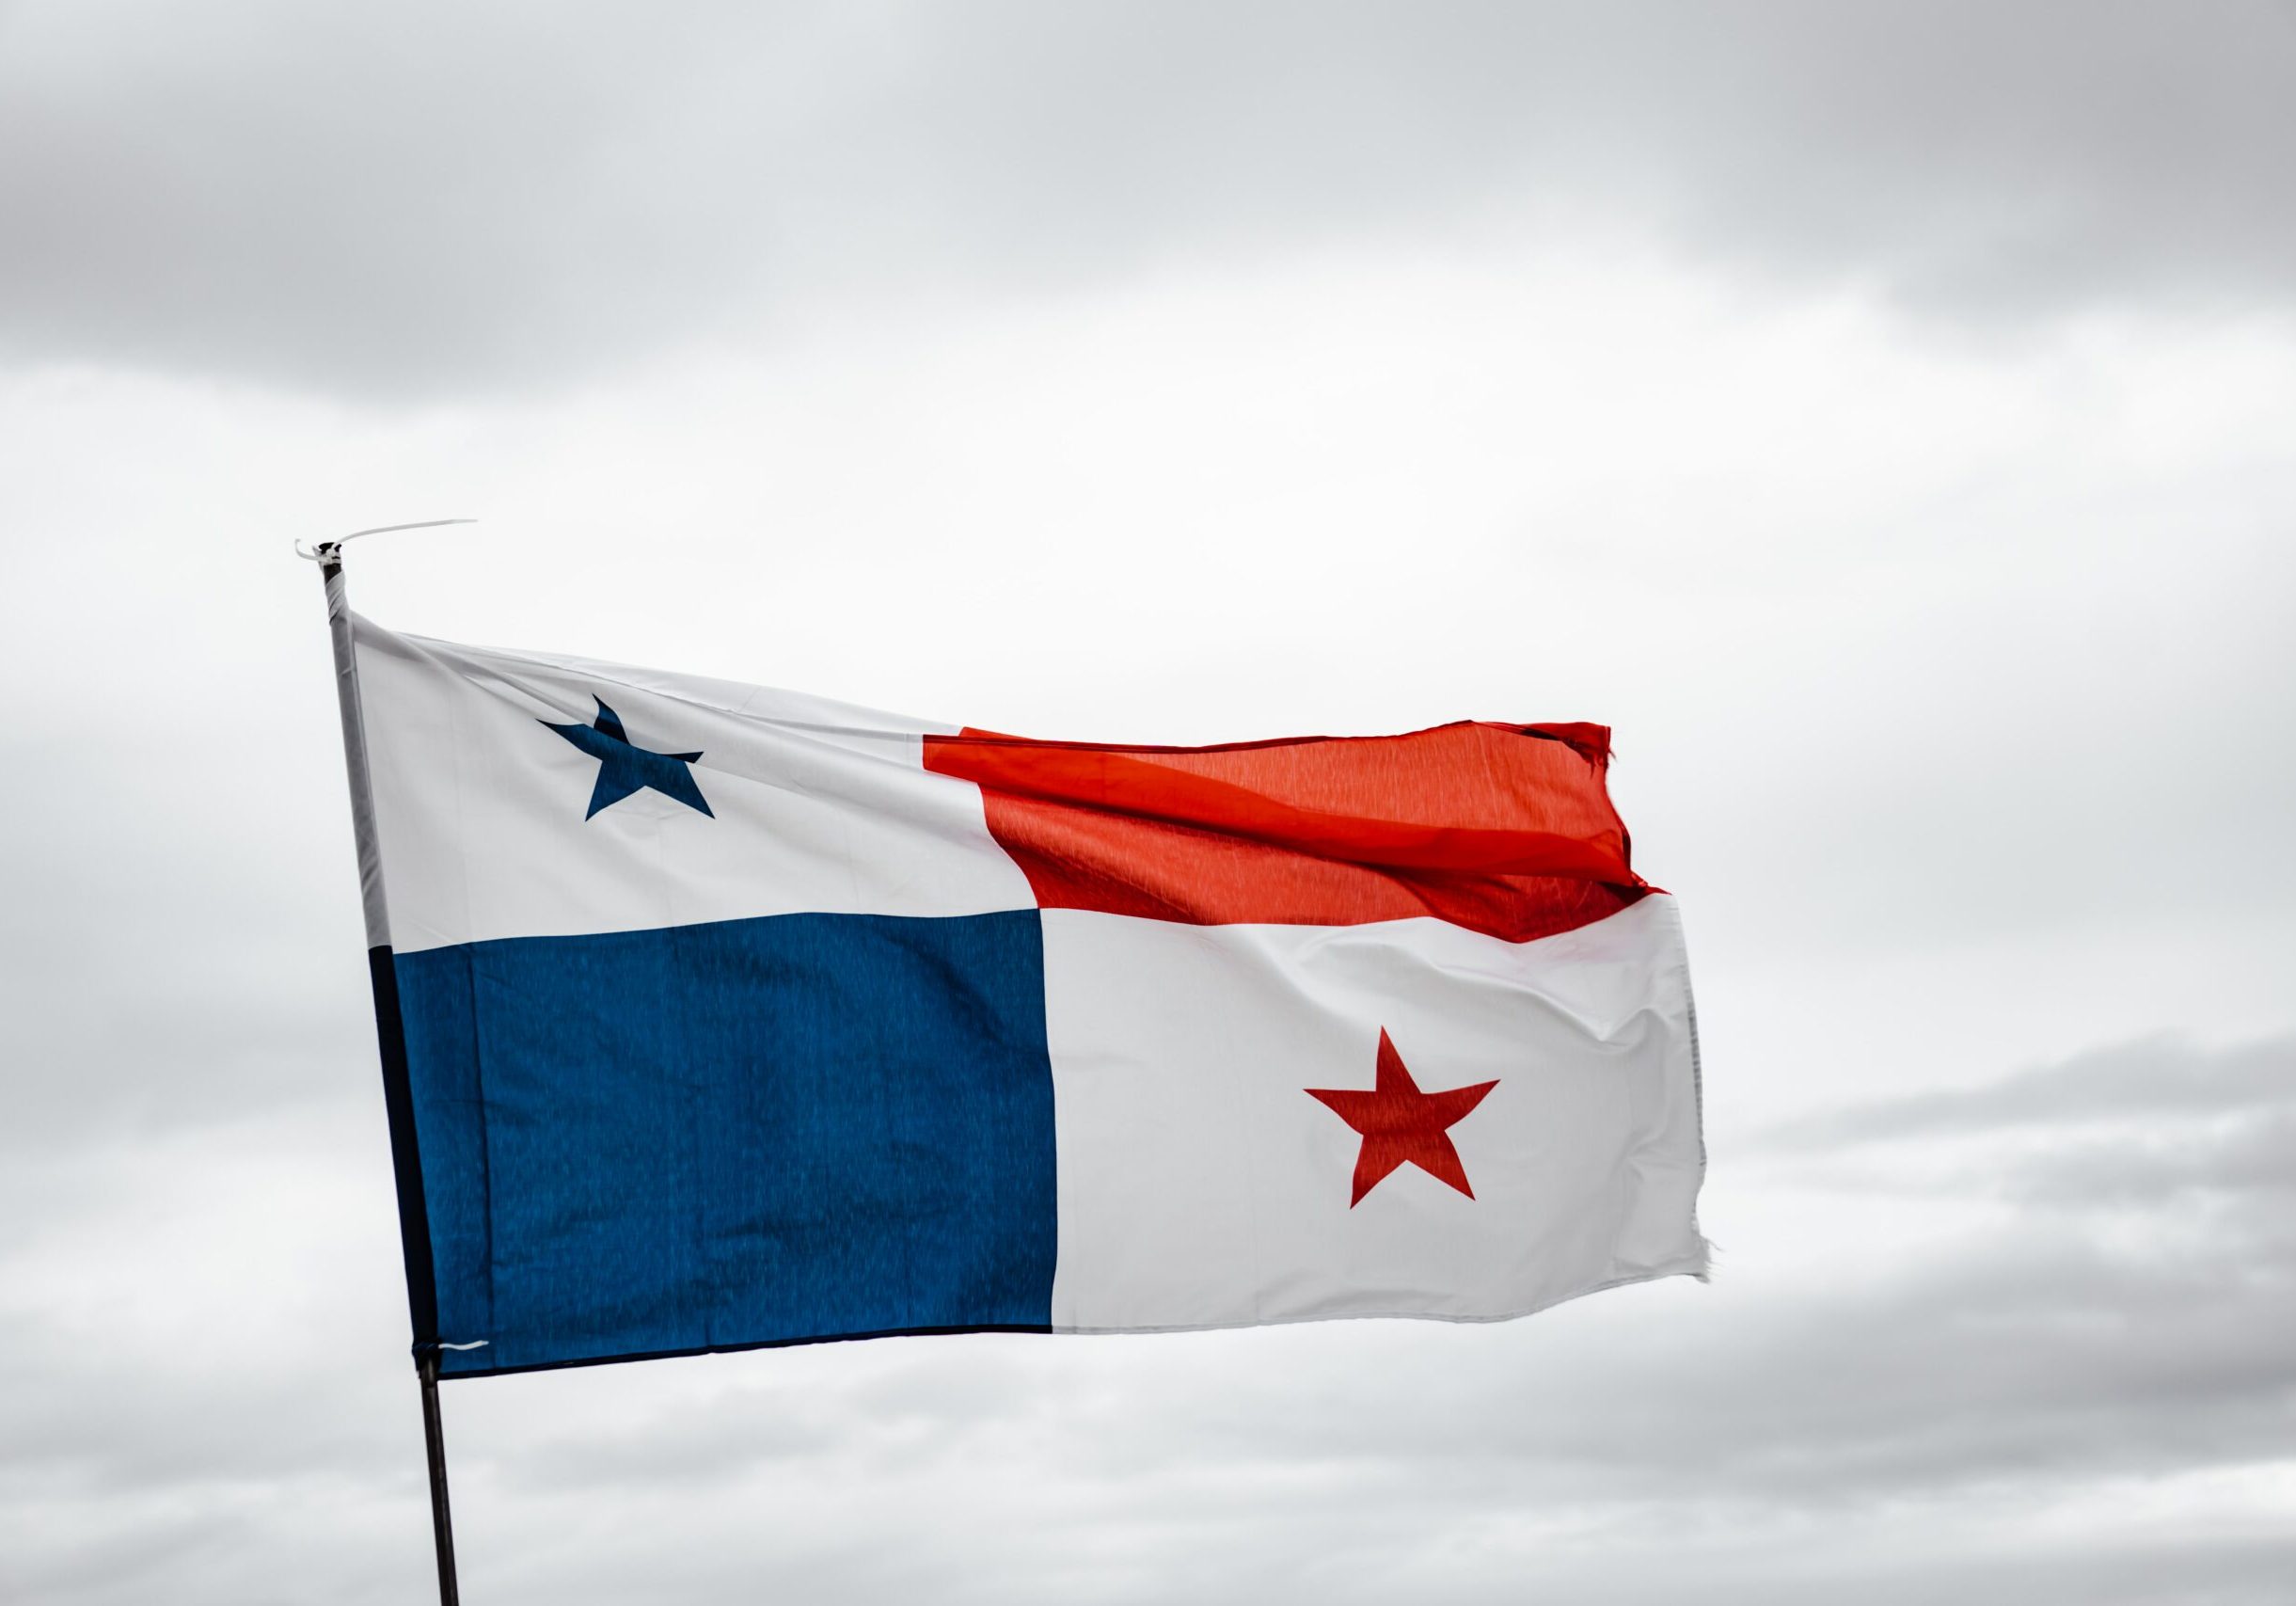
(716, 1017)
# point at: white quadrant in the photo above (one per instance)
(815, 807)
(1201, 1185)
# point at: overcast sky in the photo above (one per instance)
(1881, 415)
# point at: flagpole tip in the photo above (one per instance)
(331, 551)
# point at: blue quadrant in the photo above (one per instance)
(742, 1133)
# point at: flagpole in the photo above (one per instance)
(413, 1229)
(435, 1450)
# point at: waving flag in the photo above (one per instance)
(716, 1017)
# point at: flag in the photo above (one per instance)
(716, 1017)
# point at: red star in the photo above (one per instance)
(1399, 1123)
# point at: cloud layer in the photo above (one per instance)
(442, 201)
(1877, 414)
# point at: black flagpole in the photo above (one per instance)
(434, 1446)
(329, 555)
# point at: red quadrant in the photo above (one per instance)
(1506, 830)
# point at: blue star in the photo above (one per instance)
(624, 769)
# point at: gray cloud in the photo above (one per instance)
(432, 201)
(2143, 1081)
(2257, 1156)
(141, 1018)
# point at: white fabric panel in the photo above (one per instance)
(818, 806)
(1200, 1186)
